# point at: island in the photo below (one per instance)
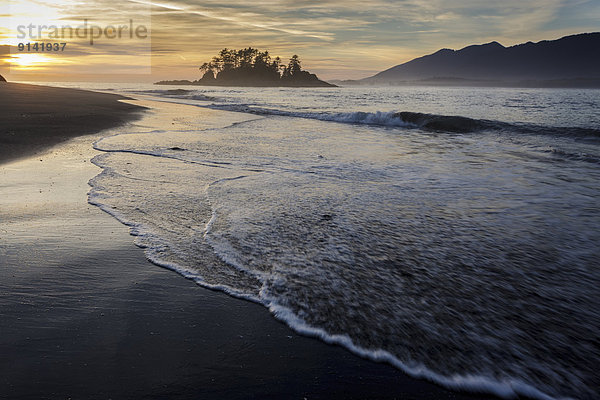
(251, 67)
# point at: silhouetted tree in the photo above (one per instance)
(276, 64)
(294, 65)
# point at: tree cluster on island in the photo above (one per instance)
(252, 67)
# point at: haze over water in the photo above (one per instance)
(463, 250)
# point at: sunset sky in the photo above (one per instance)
(337, 39)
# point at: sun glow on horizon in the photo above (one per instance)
(29, 61)
(67, 38)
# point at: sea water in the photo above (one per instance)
(452, 232)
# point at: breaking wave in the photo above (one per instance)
(408, 119)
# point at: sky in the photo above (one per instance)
(336, 39)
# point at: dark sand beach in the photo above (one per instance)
(35, 117)
(83, 314)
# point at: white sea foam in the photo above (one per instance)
(382, 118)
(505, 389)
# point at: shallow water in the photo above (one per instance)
(464, 250)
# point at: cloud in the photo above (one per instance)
(249, 20)
(331, 35)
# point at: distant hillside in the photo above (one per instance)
(569, 61)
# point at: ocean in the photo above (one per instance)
(451, 232)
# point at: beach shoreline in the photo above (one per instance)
(35, 117)
(85, 315)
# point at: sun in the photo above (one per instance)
(28, 61)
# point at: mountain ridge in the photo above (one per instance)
(571, 58)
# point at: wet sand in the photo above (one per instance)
(33, 118)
